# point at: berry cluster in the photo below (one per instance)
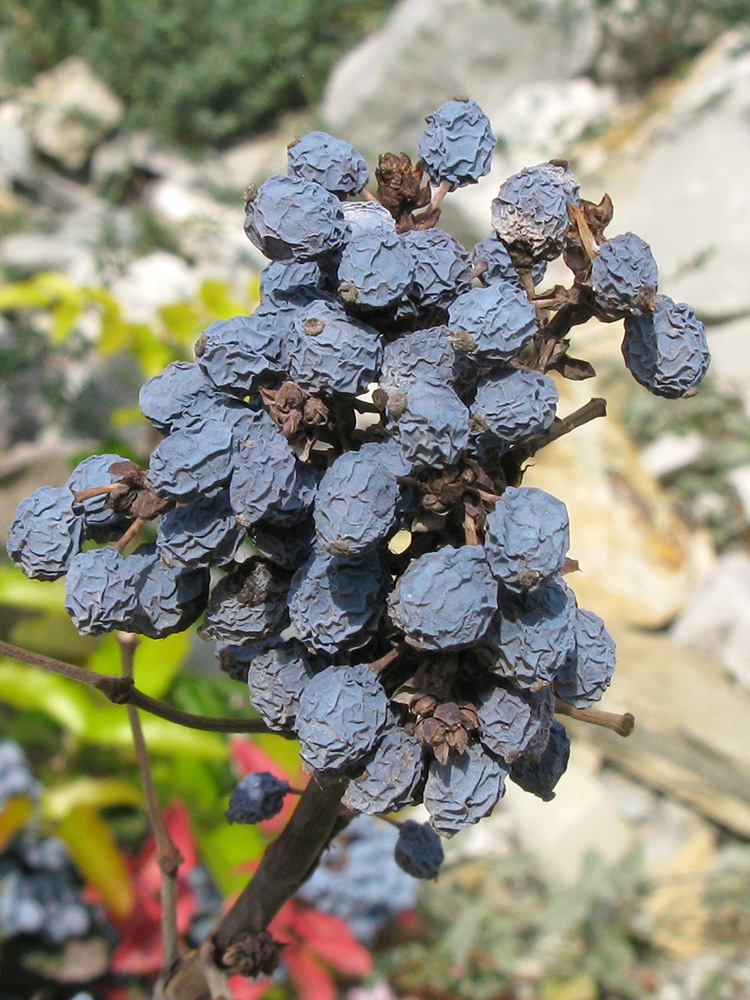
(339, 487)
(40, 890)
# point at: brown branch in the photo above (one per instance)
(621, 724)
(122, 691)
(589, 411)
(130, 534)
(287, 863)
(168, 856)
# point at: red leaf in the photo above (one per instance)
(312, 980)
(332, 938)
(248, 756)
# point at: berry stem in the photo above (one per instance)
(596, 407)
(368, 195)
(379, 665)
(444, 188)
(621, 724)
(96, 491)
(168, 856)
(130, 534)
(122, 691)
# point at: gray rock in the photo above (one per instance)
(669, 453)
(16, 153)
(71, 111)
(431, 50)
(730, 359)
(158, 279)
(716, 621)
(675, 183)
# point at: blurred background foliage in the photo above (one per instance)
(255, 60)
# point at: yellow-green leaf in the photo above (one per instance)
(110, 727)
(98, 793)
(228, 850)
(579, 987)
(13, 815)
(31, 689)
(18, 591)
(97, 857)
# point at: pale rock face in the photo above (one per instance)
(675, 183)
(429, 51)
(71, 111)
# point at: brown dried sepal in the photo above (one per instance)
(401, 189)
(449, 729)
(253, 955)
(586, 232)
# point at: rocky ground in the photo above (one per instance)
(650, 494)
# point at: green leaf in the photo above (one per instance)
(158, 661)
(228, 850)
(63, 700)
(110, 727)
(18, 591)
(97, 857)
(13, 815)
(98, 793)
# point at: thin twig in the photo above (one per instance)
(621, 724)
(96, 491)
(168, 857)
(596, 407)
(122, 691)
(130, 534)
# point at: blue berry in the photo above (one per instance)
(666, 350)
(342, 713)
(376, 269)
(540, 776)
(236, 353)
(532, 635)
(282, 546)
(355, 506)
(530, 213)
(170, 598)
(418, 850)
(445, 599)
(366, 216)
(457, 144)
(288, 218)
(197, 459)
(464, 790)
(283, 281)
(624, 274)
(330, 352)
(256, 797)
(102, 523)
(100, 592)
(201, 533)
(492, 324)
(337, 603)
(276, 675)
(247, 605)
(422, 354)
(497, 265)
(510, 719)
(178, 396)
(429, 423)
(46, 533)
(510, 405)
(15, 776)
(587, 672)
(267, 482)
(388, 454)
(442, 269)
(527, 537)
(332, 163)
(392, 775)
